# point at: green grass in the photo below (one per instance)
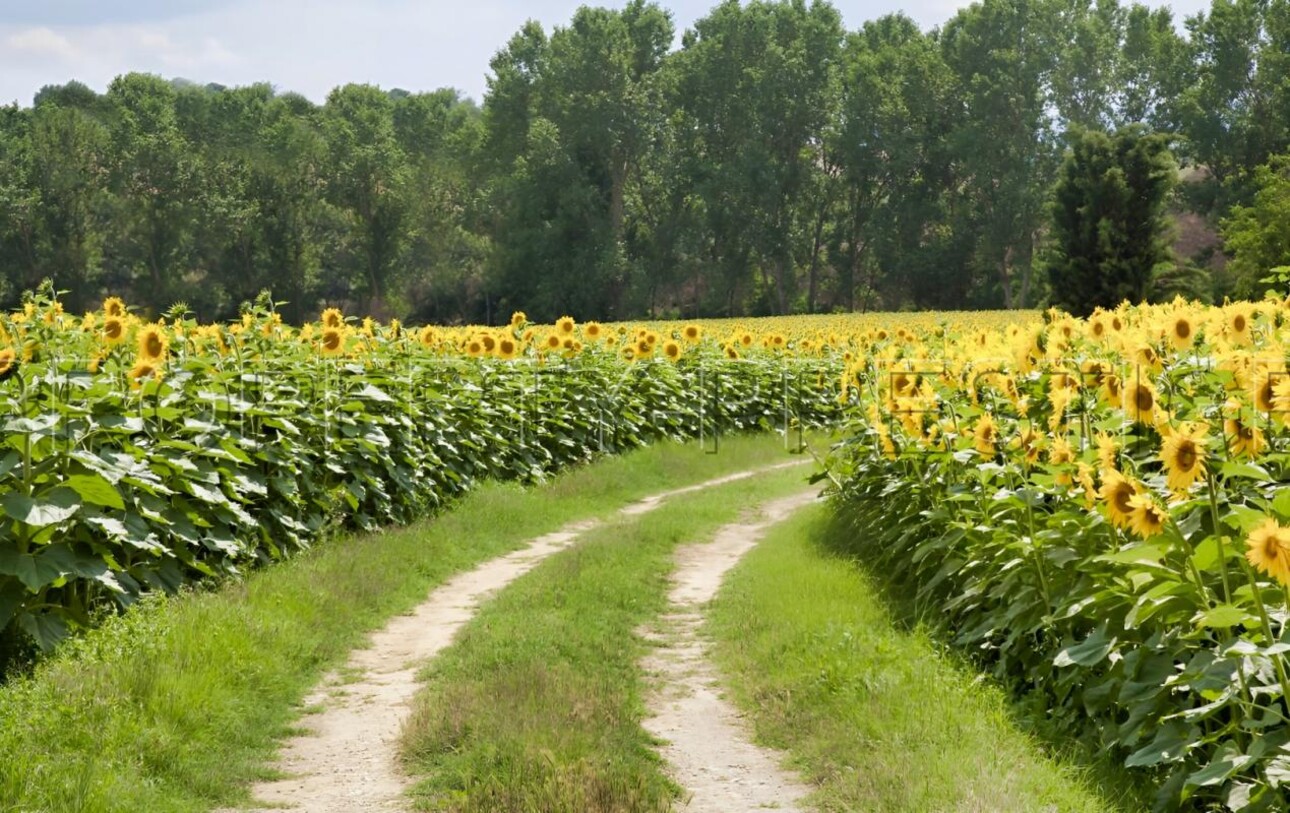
(537, 707)
(178, 705)
(872, 713)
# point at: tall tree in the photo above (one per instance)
(756, 90)
(1004, 143)
(367, 180)
(1110, 231)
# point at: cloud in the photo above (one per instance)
(308, 46)
(41, 42)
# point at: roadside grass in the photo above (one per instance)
(871, 712)
(179, 704)
(538, 705)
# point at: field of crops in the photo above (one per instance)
(1091, 508)
(143, 455)
(1095, 509)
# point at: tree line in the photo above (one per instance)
(774, 162)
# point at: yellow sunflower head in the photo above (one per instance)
(114, 329)
(692, 333)
(672, 350)
(1146, 517)
(332, 341)
(143, 369)
(113, 306)
(8, 363)
(152, 342)
(592, 330)
(984, 434)
(1118, 492)
(518, 319)
(1183, 455)
(1268, 549)
(565, 325)
(333, 318)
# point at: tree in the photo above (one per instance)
(367, 180)
(1258, 235)
(756, 91)
(1109, 227)
(1004, 144)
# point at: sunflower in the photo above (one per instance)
(1139, 402)
(1268, 549)
(1118, 492)
(145, 368)
(8, 363)
(489, 341)
(1238, 326)
(332, 342)
(1084, 475)
(1183, 455)
(506, 348)
(565, 325)
(1107, 449)
(1244, 439)
(1030, 444)
(692, 333)
(518, 319)
(732, 352)
(592, 330)
(1147, 518)
(984, 435)
(553, 341)
(113, 329)
(672, 350)
(746, 339)
(1181, 333)
(152, 342)
(113, 306)
(1263, 389)
(474, 348)
(644, 347)
(333, 318)
(429, 337)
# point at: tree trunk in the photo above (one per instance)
(1005, 278)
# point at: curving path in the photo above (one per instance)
(705, 742)
(347, 759)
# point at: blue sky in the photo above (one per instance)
(309, 46)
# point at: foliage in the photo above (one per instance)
(1259, 234)
(141, 456)
(772, 163)
(1109, 225)
(1082, 506)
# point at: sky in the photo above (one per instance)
(311, 46)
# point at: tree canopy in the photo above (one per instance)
(767, 161)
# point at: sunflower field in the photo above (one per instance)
(1095, 510)
(144, 455)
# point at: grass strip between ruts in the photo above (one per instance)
(874, 714)
(538, 705)
(179, 705)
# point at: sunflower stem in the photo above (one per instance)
(1218, 536)
(1267, 632)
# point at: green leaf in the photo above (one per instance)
(1226, 762)
(1171, 742)
(11, 598)
(1088, 652)
(96, 490)
(56, 506)
(46, 629)
(1223, 616)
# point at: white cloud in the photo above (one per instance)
(41, 42)
(312, 46)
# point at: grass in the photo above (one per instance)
(872, 713)
(179, 704)
(537, 707)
